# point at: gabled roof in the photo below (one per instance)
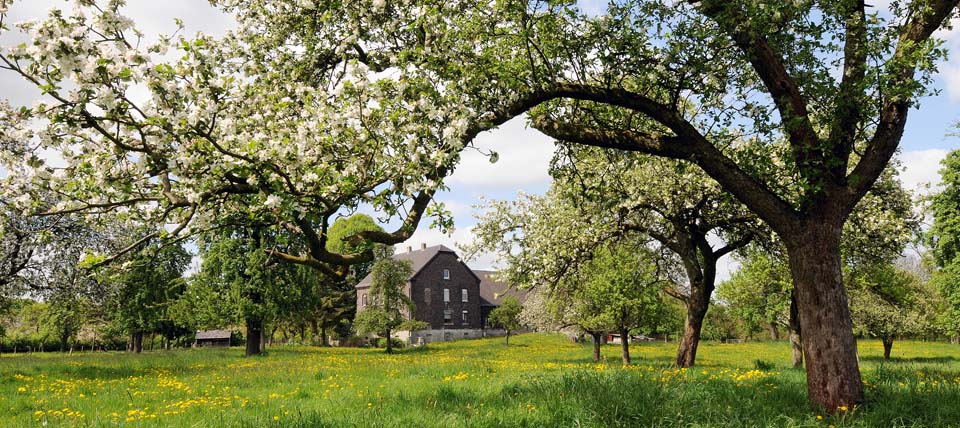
(493, 291)
(418, 259)
(213, 334)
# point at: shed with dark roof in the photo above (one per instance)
(213, 338)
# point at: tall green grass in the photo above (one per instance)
(539, 380)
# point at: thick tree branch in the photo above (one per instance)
(928, 17)
(748, 190)
(850, 99)
(768, 64)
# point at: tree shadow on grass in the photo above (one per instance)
(921, 360)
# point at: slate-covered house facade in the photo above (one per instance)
(451, 298)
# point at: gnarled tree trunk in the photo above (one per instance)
(597, 340)
(254, 336)
(687, 353)
(796, 344)
(833, 371)
(774, 334)
(625, 346)
(887, 347)
(136, 344)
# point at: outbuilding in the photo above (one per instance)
(213, 338)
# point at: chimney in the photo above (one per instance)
(409, 249)
(423, 245)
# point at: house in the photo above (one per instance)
(492, 293)
(451, 298)
(212, 338)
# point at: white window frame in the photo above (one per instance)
(363, 300)
(448, 317)
(464, 315)
(464, 295)
(446, 295)
(446, 274)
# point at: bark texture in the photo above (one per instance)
(136, 344)
(833, 371)
(254, 336)
(596, 345)
(796, 343)
(625, 346)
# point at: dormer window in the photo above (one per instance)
(446, 274)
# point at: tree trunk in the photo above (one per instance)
(137, 344)
(887, 347)
(389, 344)
(508, 337)
(774, 334)
(625, 346)
(254, 336)
(63, 342)
(795, 338)
(596, 345)
(833, 370)
(324, 340)
(696, 311)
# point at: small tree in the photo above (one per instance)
(507, 315)
(887, 302)
(391, 308)
(619, 290)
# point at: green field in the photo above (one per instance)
(539, 380)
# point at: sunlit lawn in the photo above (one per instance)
(540, 380)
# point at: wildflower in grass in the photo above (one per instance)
(276, 417)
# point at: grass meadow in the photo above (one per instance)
(539, 380)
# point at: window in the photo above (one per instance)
(464, 317)
(446, 295)
(446, 274)
(363, 300)
(463, 295)
(448, 317)
(426, 295)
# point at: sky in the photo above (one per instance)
(525, 153)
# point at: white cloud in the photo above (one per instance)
(950, 71)
(921, 167)
(524, 158)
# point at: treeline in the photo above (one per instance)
(149, 300)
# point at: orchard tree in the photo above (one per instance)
(605, 196)
(673, 203)
(390, 308)
(759, 294)
(146, 285)
(236, 264)
(888, 302)
(506, 316)
(224, 131)
(622, 80)
(620, 289)
(944, 240)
